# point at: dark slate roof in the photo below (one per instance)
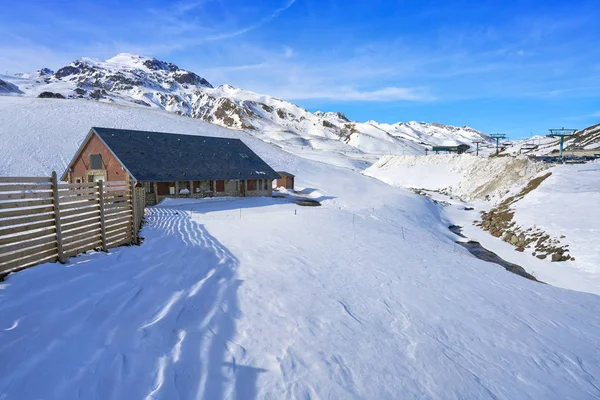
(283, 173)
(168, 157)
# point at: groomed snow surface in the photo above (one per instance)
(365, 297)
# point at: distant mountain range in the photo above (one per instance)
(131, 79)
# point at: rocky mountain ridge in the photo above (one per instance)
(143, 81)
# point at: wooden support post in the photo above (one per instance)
(134, 212)
(102, 223)
(59, 242)
(155, 192)
(176, 189)
(191, 188)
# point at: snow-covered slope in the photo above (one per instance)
(365, 297)
(585, 141)
(148, 82)
(466, 176)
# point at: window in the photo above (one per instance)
(252, 184)
(149, 187)
(266, 184)
(220, 186)
(96, 161)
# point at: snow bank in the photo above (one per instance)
(567, 206)
(465, 176)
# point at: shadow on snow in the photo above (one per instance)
(156, 321)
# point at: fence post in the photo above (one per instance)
(59, 238)
(102, 222)
(134, 210)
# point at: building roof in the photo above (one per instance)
(283, 173)
(168, 157)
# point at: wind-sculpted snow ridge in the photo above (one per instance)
(148, 82)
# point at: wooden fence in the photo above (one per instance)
(42, 220)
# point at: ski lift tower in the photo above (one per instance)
(561, 133)
(477, 142)
(498, 136)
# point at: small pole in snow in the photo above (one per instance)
(295, 211)
(240, 213)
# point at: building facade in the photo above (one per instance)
(171, 165)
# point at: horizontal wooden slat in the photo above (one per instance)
(26, 220)
(119, 239)
(76, 185)
(116, 218)
(66, 228)
(86, 230)
(27, 236)
(70, 199)
(25, 228)
(79, 217)
(120, 214)
(22, 204)
(115, 183)
(4, 258)
(83, 203)
(117, 204)
(74, 192)
(25, 211)
(91, 207)
(18, 188)
(116, 189)
(27, 195)
(78, 221)
(88, 242)
(46, 256)
(20, 179)
(75, 239)
(109, 197)
(27, 243)
(118, 226)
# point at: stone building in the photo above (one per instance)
(171, 165)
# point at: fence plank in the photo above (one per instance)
(117, 217)
(102, 216)
(46, 256)
(23, 204)
(25, 212)
(91, 207)
(76, 185)
(119, 226)
(78, 217)
(4, 258)
(26, 220)
(25, 228)
(71, 199)
(116, 183)
(59, 245)
(69, 242)
(27, 236)
(86, 230)
(86, 243)
(27, 195)
(79, 224)
(27, 244)
(79, 204)
(120, 238)
(18, 188)
(11, 179)
(65, 194)
(115, 210)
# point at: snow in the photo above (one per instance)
(367, 296)
(466, 176)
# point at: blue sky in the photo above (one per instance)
(517, 67)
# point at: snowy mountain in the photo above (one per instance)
(148, 82)
(585, 142)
